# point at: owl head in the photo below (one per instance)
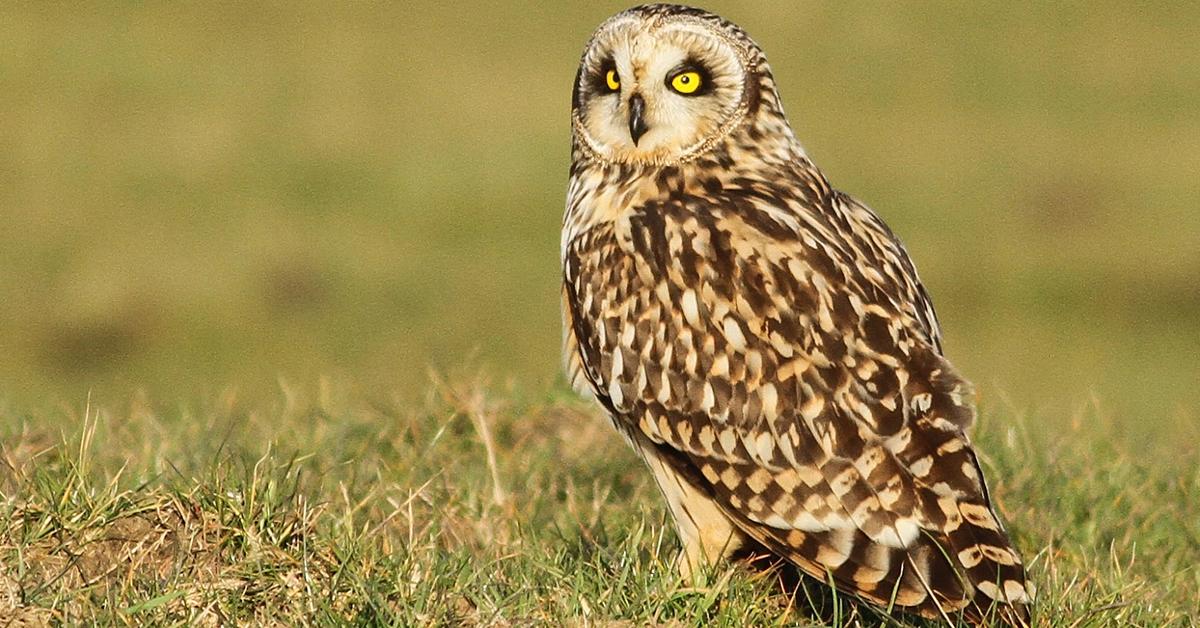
(662, 84)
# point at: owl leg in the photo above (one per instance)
(706, 533)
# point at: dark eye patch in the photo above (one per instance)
(692, 65)
(599, 79)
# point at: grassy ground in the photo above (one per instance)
(246, 232)
(490, 506)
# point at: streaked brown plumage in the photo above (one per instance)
(762, 339)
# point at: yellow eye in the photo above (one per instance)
(612, 80)
(686, 82)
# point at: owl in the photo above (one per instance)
(762, 339)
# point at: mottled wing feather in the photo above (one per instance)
(799, 372)
(913, 297)
(573, 364)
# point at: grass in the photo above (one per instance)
(490, 506)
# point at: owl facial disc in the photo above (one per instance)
(659, 92)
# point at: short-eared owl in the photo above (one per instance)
(761, 338)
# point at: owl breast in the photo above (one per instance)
(719, 287)
(685, 310)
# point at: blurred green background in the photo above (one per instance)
(201, 197)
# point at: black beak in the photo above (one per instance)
(637, 123)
